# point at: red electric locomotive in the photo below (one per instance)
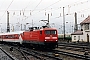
(44, 37)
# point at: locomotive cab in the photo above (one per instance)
(51, 38)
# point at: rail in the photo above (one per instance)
(73, 55)
(10, 57)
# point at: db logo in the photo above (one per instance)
(50, 36)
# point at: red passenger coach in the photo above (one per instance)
(14, 37)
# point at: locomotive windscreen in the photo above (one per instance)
(50, 32)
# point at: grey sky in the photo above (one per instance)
(36, 9)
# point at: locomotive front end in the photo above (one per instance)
(51, 38)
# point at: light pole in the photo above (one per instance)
(60, 28)
(25, 26)
(1, 27)
(63, 23)
(18, 25)
(67, 27)
(72, 29)
(47, 21)
(8, 26)
(12, 27)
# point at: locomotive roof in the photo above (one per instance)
(48, 29)
(9, 33)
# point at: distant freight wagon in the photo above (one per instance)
(67, 37)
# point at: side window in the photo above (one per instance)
(47, 32)
(3, 36)
(6, 36)
(86, 26)
(17, 35)
(41, 32)
(10, 36)
(0, 36)
(78, 37)
(23, 33)
(53, 32)
(74, 37)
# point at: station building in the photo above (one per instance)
(82, 35)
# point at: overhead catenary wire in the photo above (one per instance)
(37, 5)
(51, 4)
(35, 8)
(61, 6)
(7, 8)
(75, 4)
(1, 4)
(48, 6)
(80, 11)
(65, 6)
(70, 5)
(27, 4)
(53, 9)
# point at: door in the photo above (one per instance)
(87, 38)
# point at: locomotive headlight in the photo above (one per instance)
(56, 40)
(45, 40)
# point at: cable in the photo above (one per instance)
(27, 5)
(77, 11)
(7, 8)
(48, 6)
(51, 5)
(76, 3)
(1, 4)
(66, 5)
(37, 6)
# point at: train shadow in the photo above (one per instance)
(38, 48)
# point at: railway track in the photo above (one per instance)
(5, 55)
(75, 46)
(37, 54)
(77, 50)
(28, 53)
(72, 54)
